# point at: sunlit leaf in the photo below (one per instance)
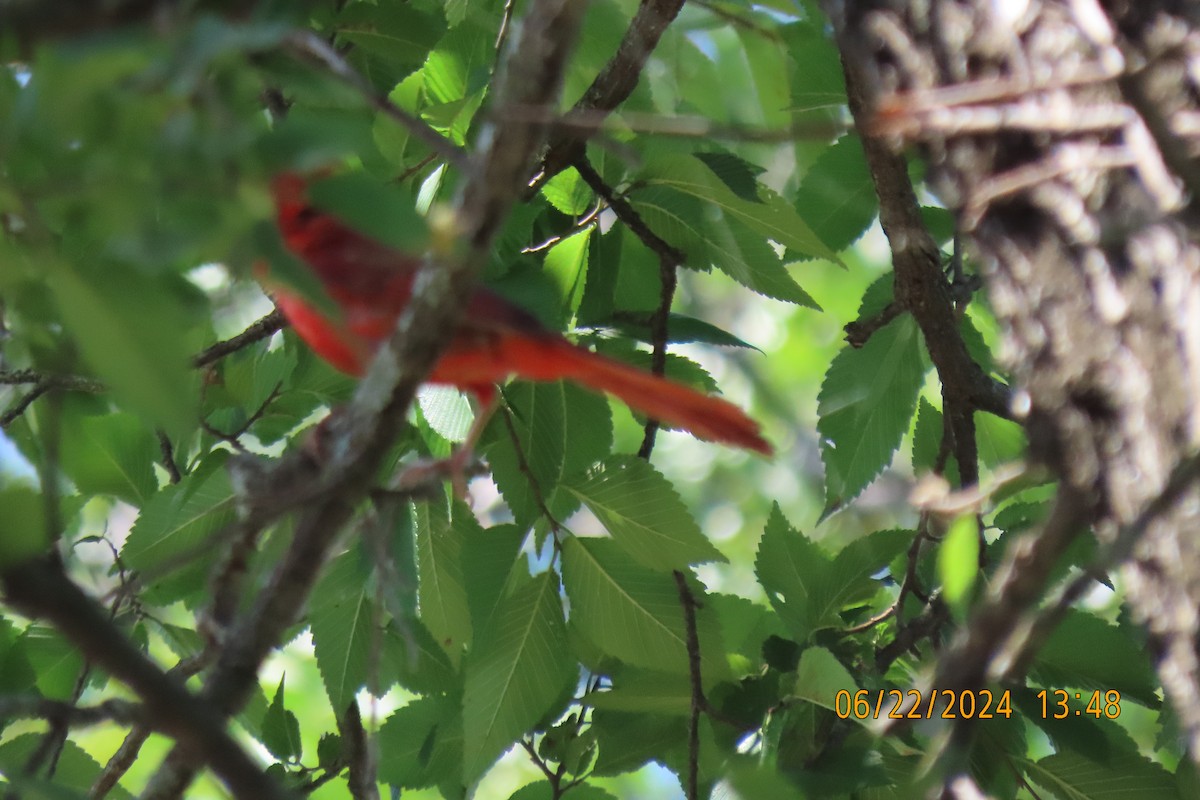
(866, 403)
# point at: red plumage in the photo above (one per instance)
(371, 283)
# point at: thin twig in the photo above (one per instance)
(363, 781)
(613, 85)
(41, 589)
(737, 20)
(314, 48)
(698, 703)
(128, 752)
(860, 331)
(257, 331)
(168, 457)
(59, 712)
(527, 471)
(18, 408)
(42, 384)
(669, 258)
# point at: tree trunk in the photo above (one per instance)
(1065, 137)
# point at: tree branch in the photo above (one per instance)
(698, 701)
(612, 86)
(360, 435)
(41, 589)
(360, 761)
(257, 331)
(669, 258)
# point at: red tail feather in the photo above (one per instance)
(674, 404)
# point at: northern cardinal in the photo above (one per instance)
(371, 283)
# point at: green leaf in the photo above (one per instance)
(927, 436)
(395, 141)
(633, 613)
(442, 595)
(958, 562)
(413, 659)
(314, 137)
(644, 514)
(1068, 658)
(738, 175)
(680, 329)
(75, 770)
(748, 259)
(329, 751)
(541, 790)
(180, 520)
(750, 781)
(1125, 774)
(341, 621)
(546, 416)
(770, 216)
(818, 86)
(518, 668)
(252, 381)
(120, 322)
(16, 673)
(708, 237)
(569, 193)
(627, 741)
(456, 74)
(820, 676)
(865, 406)
(281, 729)
(423, 742)
(110, 454)
(384, 212)
(810, 590)
(55, 661)
(567, 264)
(446, 411)
(605, 265)
(491, 562)
(837, 196)
(25, 535)
(398, 36)
(1000, 441)
(745, 625)
(644, 691)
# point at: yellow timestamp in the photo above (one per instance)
(1060, 703)
(915, 704)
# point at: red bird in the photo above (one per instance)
(371, 283)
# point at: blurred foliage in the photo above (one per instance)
(134, 165)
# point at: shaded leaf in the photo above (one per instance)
(442, 596)
(809, 589)
(423, 742)
(281, 729)
(644, 514)
(517, 669)
(837, 196)
(111, 454)
(119, 324)
(341, 622)
(632, 613)
(1068, 658)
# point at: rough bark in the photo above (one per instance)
(1064, 136)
